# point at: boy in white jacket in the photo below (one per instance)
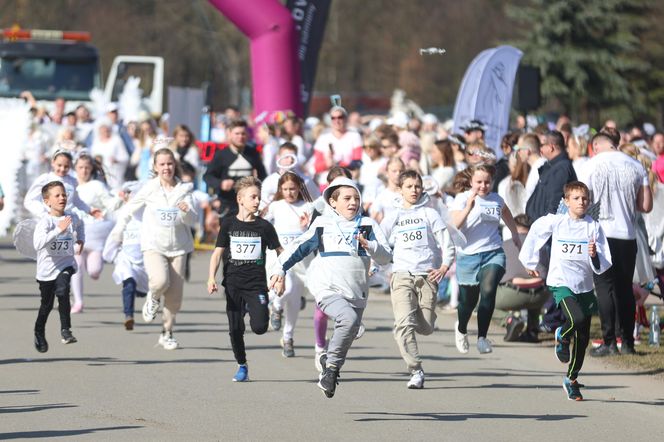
(346, 241)
(578, 249)
(423, 252)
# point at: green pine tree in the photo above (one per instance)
(588, 52)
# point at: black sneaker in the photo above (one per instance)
(604, 350)
(529, 336)
(328, 381)
(627, 349)
(67, 337)
(40, 343)
(514, 326)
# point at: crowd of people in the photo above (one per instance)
(401, 204)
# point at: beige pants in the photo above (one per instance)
(414, 304)
(166, 277)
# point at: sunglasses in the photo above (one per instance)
(341, 117)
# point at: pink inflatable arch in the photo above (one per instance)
(275, 70)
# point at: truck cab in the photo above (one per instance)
(60, 64)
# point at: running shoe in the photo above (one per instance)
(360, 331)
(67, 337)
(416, 381)
(328, 380)
(167, 340)
(275, 318)
(320, 359)
(150, 308)
(242, 373)
(514, 325)
(40, 343)
(129, 323)
(461, 339)
(562, 346)
(287, 348)
(572, 389)
(484, 345)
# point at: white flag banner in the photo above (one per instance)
(486, 93)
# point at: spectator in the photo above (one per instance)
(518, 290)
(339, 146)
(658, 149)
(620, 185)
(230, 164)
(512, 188)
(184, 146)
(553, 175)
(502, 165)
(442, 162)
(529, 150)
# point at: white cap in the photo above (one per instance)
(429, 119)
(399, 119)
(112, 107)
(375, 123)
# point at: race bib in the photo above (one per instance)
(288, 238)
(341, 241)
(61, 246)
(167, 217)
(246, 248)
(489, 211)
(411, 232)
(131, 237)
(572, 249)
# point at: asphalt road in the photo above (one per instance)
(117, 385)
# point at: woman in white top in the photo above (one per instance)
(95, 194)
(112, 153)
(166, 238)
(442, 164)
(184, 146)
(290, 213)
(481, 262)
(512, 188)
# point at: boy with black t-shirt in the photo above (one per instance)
(241, 244)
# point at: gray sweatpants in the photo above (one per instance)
(346, 324)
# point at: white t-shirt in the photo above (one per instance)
(533, 176)
(346, 148)
(482, 225)
(570, 265)
(412, 237)
(385, 203)
(614, 179)
(286, 219)
(55, 249)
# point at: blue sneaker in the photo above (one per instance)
(242, 373)
(562, 347)
(572, 389)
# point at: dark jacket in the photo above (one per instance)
(553, 175)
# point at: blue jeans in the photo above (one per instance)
(129, 293)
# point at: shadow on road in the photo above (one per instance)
(31, 408)
(61, 433)
(103, 361)
(452, 417)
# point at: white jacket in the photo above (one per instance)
(165, 229)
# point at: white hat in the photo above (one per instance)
(311, 122)
(112, 107)
(429, 119)
(375, 123)
(399, 119)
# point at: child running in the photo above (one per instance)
(481, 261)
(338, 276)
(241, 244)
(128, 259)
(54, 238)
(579, 248)
(417, 235)
(290, 213)
(168, 215)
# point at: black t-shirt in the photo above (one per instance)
(244, 246)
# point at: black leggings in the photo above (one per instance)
(489, 277)
(49, 290)
(577, 326)
(239, 303)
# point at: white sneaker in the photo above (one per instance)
(460, 339)
(360, 331)
(484, 345)
(150, 308)
(167, 341)
(320, 358)
(416, 380)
